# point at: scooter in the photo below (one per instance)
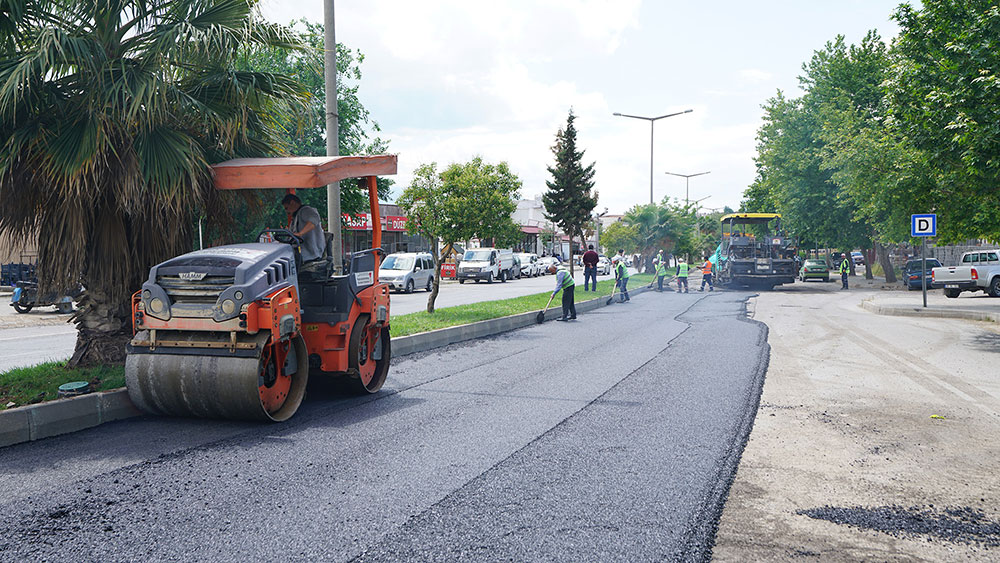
(25, 298)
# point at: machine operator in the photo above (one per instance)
(305, 223)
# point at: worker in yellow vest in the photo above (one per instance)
(661, 271)
(621, 276)
(682, 275)
(566, 284)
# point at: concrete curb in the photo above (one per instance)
(903, 311)
(34, 422)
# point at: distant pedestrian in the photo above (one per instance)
(706, 275)
(621, 276)
(565, 283)
(845, 268)
(682, 275)
(590, 267)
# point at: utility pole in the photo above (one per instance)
(332, 130)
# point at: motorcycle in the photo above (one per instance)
(26, 297)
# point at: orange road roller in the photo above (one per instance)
(235, 331)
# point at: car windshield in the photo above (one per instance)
(815, 263)
(482, 255)
(397, 263)
(914, 265)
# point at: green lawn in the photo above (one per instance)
(41, 383)
(34, 384)
(414, 323)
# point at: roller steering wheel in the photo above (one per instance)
(281, 235)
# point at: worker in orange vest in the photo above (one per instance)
(706, 275)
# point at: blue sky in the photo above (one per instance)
(451, 79)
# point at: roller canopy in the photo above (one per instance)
(298, 171)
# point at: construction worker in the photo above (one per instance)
(845, 268)
(682, 275)
(661, 270)
(706, 275)
(566, 284)
(621, 276)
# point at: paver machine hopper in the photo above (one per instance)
(235, 331)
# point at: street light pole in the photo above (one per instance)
(651, 121)
(687, 182)
(332, 129)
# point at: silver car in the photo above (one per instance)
(406, 271)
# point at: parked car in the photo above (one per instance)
(858, 258)
(976, 271)
(911, 273)
(486, 264)
(406, 271)
(545, 262)
(603, 265)
(529, 264)
(813, 269)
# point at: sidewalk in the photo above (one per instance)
(969, 306)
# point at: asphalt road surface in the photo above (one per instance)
(614, 437)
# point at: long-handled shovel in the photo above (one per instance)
(540, 317)
(612, 296)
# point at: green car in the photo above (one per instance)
(814, 269)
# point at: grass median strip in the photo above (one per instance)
(35, 384)
(415, 323)
(28, 385)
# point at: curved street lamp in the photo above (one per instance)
(687, 181)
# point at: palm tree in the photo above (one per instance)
(111, 112)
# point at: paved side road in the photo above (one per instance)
(613, 437)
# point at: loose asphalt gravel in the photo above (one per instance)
(614, 437)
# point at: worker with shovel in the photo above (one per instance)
(661, 272)
(621, 276)
(566, 284)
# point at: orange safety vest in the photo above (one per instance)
(706, 268)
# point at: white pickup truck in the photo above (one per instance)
(976, 271)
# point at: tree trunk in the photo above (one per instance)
(438, 257)
(869, 263)
(883, 260)
(103, 330)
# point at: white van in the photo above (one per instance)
(406, 271)
(486, 264)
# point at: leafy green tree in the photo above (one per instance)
(568, 200)
(467, 201)
(110, 114)
(671, 227)
(944, 90)
(620, 235)
(304, 132)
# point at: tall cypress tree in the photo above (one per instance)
(568, 201)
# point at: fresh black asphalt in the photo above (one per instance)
(614, 437)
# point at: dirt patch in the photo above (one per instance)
(870, 443)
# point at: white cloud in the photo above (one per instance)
(754, 75)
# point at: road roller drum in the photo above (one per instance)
(189, 382)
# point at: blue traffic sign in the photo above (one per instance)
(924, 225)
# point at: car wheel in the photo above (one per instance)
(994, 290)
(952, 293)
(489, 278)
(461, 282)
(409, 286)
(430, 284)
(503, 276)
